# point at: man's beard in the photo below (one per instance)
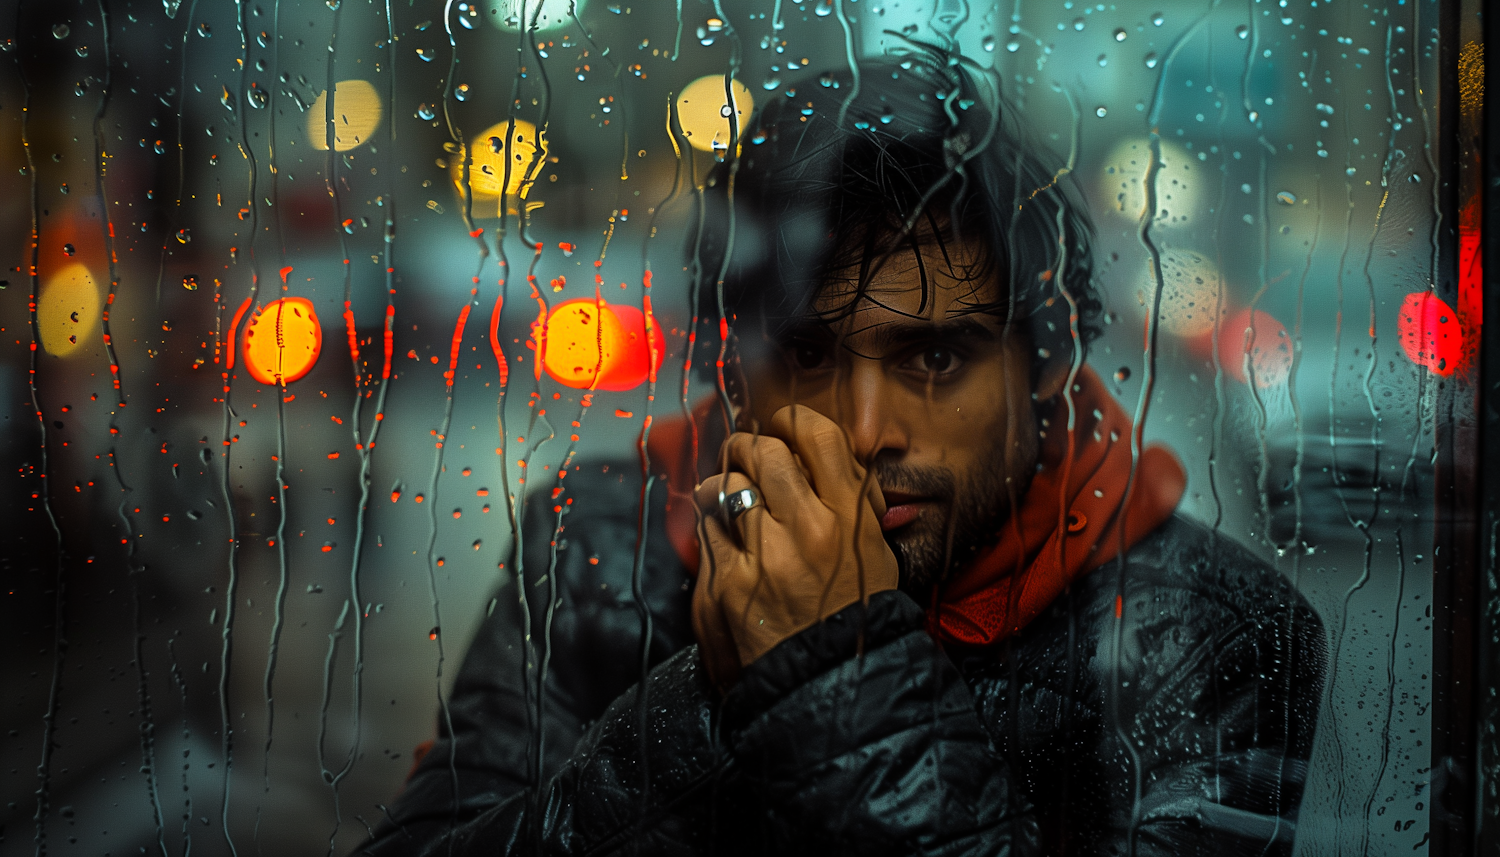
(964, 517)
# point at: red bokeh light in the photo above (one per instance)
(1431, 334)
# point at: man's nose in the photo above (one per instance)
(869, 413)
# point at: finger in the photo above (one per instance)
(822, 447)
(711, 492)
(716, 644)
(771, 466)
(724, 538)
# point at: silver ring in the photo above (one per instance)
(738, 503)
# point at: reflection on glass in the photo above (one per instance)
(469, 366)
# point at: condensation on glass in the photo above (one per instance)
(303, 301)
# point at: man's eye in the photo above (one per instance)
(936, 360)
(807, 355)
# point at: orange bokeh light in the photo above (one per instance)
(282, 341)
(588, 337)
(1255, 341)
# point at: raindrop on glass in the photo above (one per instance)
(1286, 197)
(1103, 61)
(82, 50)
(64, 189)
(425, 111)
(1100, 111)
(60, 31)
(190, 283)
(1013, 45)
(1122, 374)
(256, 97)
(823, 9)
(771, 82)
(1157, 19)
(1120, 34)
(68, 250)
(1078, 24)
(988, 44)
(204, 31)
(1151, 60)
(184, 236)
(1242, 31)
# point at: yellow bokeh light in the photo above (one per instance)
(1190, 292)
(513, 15)
(67, 310)
(491, 150)
(356, 115)
(704, 113)
(1181, 182)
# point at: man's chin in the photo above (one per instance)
(919, 556)
(925, 555)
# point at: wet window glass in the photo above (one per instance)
(544, 426)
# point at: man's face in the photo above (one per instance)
(935, 398)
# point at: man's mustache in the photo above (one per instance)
(926, 482)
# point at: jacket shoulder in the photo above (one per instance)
(1185, 606)
(1192, 615)
(1186, 571)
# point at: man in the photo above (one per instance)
(928, 597)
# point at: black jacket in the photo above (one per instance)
(1163, 706)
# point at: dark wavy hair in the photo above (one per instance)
(834, 176)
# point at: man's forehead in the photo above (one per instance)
(945, 282)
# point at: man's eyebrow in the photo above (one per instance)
(895, 335)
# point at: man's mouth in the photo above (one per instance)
(900, 509)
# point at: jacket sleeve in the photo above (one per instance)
(632, 783)
(859, 736)
(500, 750)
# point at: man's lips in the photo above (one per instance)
(900, 509)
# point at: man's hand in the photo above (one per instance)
(809, 547)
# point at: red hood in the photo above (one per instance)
(1074, 518)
